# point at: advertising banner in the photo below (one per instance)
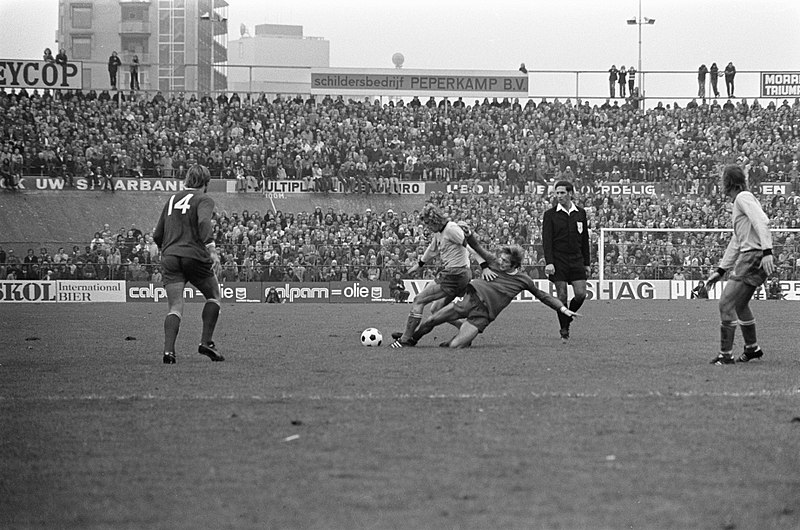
(19, 74)
(22, 291)
(776, 188)
(633, 290)
(238, 292)
(630, 189)
(471, 187)
(780, 84)
(336, 292)
(277, 188)
(358, 292)
(412, 82)
(123, 184)
(90, 291)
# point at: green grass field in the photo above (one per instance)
(627, 426)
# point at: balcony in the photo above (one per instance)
(145, 59)
(134, 27)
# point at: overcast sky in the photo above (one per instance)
(588, 35)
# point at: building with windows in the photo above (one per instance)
(181, 44)
(277, 60)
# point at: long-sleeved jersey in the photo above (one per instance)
(566, 234)
(184, 227)
(750, 229)
(498, 293)
(450, 245)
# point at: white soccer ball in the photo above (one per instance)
(371, 337)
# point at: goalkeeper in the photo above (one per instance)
(486, 297)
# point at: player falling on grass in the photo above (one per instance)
(485, 299)
(565, 241)
(749, 252)
(450, 244)
(184, 235)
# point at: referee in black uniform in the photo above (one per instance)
(565, 237)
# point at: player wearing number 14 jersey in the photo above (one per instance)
(184, 236)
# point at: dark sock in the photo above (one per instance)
(172, 324)
(727, 330)
(421, 331)
(563, 320)
(210, 315)
(575, 304)
(749, 334)
(411, 326)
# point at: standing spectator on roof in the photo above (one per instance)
(715, 74)
(134, 69)
(702, 72)
(631, 79)
(730, 73)
(623, 73)
(613, 75)
(114, 63)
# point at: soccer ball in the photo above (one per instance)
(371, 337)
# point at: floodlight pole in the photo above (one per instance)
(639, 66)
(639, 22)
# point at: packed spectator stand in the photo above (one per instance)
(368, 147)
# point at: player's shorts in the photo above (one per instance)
(472, 308)
(454, 281)
(748, 268)
(177, 269)
(568, 268)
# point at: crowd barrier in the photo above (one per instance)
(89, 291)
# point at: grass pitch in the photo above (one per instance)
(627, 426)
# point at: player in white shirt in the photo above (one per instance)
(449, 243)
(749, 253)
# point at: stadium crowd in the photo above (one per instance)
(363, 146)
(333, 140)
(332, 246)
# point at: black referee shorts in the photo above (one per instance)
(569, 268)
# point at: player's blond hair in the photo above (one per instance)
(515, 255)
(432, 216)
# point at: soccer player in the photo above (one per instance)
(184, 235)
(450, 244)
(485, 299)
(749, 253)
(565, 238)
